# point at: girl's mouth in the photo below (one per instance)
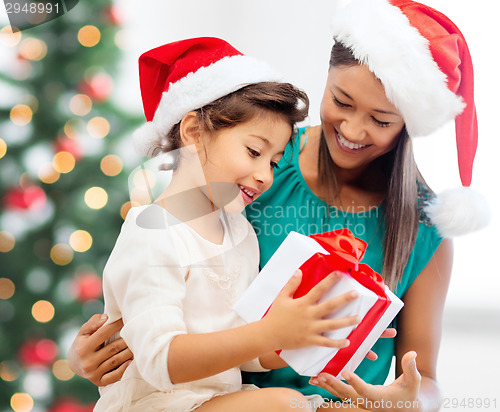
(248, 195)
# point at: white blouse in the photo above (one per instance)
(164, 279)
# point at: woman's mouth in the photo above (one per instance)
(348, 146)
(248, 195)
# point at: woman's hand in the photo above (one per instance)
(402, 394)
(388, 333)
(297, 323)
(89, 358)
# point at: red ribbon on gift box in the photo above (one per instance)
(346, 252)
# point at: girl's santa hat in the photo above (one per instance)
(424, 64)
(179, 77)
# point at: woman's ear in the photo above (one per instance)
(190, 130)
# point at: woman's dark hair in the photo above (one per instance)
(402, 182)
(282, 99)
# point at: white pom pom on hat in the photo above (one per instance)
(451, 210)
(426, 70)
(186, 75)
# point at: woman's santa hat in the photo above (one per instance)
(179, 77)
(424, 64)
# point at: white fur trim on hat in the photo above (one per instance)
(458, 211)
(197, 90)
(146, 138)
(381, 37)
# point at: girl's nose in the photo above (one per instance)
(264, 176)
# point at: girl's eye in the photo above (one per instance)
(381, 124)
(253, 153)
(339, 103)
(274, 165)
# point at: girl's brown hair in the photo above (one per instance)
(403, 184)
(282, 99)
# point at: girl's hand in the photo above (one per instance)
(402, 394)
(297, 323)
(90, 359)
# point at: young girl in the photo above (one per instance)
(180, 264)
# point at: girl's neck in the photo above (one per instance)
(190, 205)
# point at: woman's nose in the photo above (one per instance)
(352, 128)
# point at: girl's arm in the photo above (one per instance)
(419, 333)
(289, 324)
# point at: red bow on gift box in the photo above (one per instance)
(345, 253)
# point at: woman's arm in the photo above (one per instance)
(419, 332)
(90, 358)
(421, 322)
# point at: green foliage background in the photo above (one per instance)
(47, 91)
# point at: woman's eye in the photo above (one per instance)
(381, 124)
(339, 103)
(253, 153)
(274, 165)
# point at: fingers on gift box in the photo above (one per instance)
(317, 256)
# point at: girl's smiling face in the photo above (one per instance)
(359, 123)
(244, 156)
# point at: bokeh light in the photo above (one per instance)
(48, 174)
(9, 38)
(89, 36)
(80, 104)
(37, 382)
(144, 178)
(140, 196)
(61, 370)
(46, 349)
(21, 70)
(43, 311)
(111, 165)
(98, 127)
(21, 114)
(72, 127)
(80, 241)
(9, 371)
(3, 148)
(7, 288)
(7, 241)
(124, 209)
(21, 402)
(38, 280)
(122, 39)
(96, 197)
(64, 162)
(33, 49)
(61, 254)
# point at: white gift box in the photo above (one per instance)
(295, 250)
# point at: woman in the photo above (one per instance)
(398, 70)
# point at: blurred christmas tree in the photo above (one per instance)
(63, 182)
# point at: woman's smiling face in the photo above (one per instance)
(359, 123)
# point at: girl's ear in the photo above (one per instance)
(190, 130)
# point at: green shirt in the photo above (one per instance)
(291, 205)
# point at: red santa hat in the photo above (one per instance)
(424, 64)
(179, 77)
